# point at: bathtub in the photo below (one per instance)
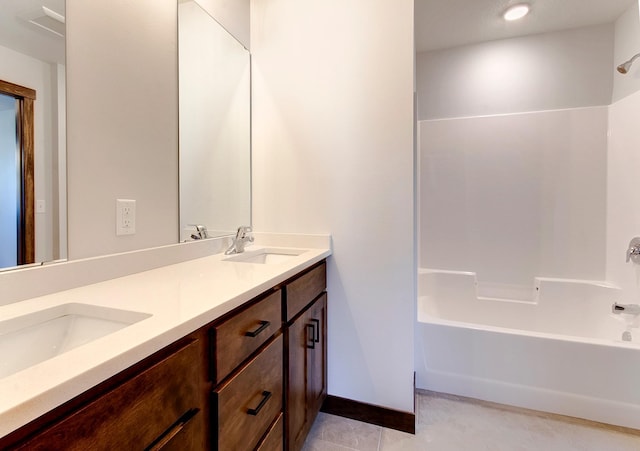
(558, 350)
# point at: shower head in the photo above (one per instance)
(624, 67)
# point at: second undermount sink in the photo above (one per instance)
(266, 255)
(33, 338)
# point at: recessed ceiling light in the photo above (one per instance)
(516, 12)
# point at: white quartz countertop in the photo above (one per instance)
(180, 299)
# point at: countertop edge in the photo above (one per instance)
(19, 413)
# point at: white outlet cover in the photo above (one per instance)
(125, 217)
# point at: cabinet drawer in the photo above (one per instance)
(238, 337)
(305, 289)
(248, 403)
(274, 440)
(137, 413)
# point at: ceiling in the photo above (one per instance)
(439, 23)
(18, 34)
(449, 23)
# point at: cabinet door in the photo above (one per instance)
(317, 358)
(307, 371)
(299, 334)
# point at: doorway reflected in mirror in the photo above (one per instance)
(33, 156)
(17, 225)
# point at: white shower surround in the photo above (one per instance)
(515, 196)
(560, 353)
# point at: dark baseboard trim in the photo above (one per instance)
(380, 416)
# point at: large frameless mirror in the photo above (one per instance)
(32, 132)
(215, 126)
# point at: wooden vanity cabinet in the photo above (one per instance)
(307, 354)
(253, 379)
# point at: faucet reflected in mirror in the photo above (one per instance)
(201, 232)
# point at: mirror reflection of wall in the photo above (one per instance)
(215, 143)
(32, 55)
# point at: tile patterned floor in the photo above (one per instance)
(445, 423)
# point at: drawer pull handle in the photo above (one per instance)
(174, 430)
(311, 343)
(255, 333)
(265, 397)
(317, 331)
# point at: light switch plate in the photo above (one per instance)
(125, 217)
(40, 206)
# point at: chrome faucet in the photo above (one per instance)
(631, 309)
(243, 236)
(201, 232)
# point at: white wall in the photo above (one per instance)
(627, 44)
(215, 125)
(516, 196)
(623, 195)
(548, 71)
(333, 153)
(122, 123)
(38, 75)
(233, 15)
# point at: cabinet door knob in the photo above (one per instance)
(255, 333)
(265, 397)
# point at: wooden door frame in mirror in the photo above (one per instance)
(25, 136)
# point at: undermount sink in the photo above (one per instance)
(266, 255)
(33, 338)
